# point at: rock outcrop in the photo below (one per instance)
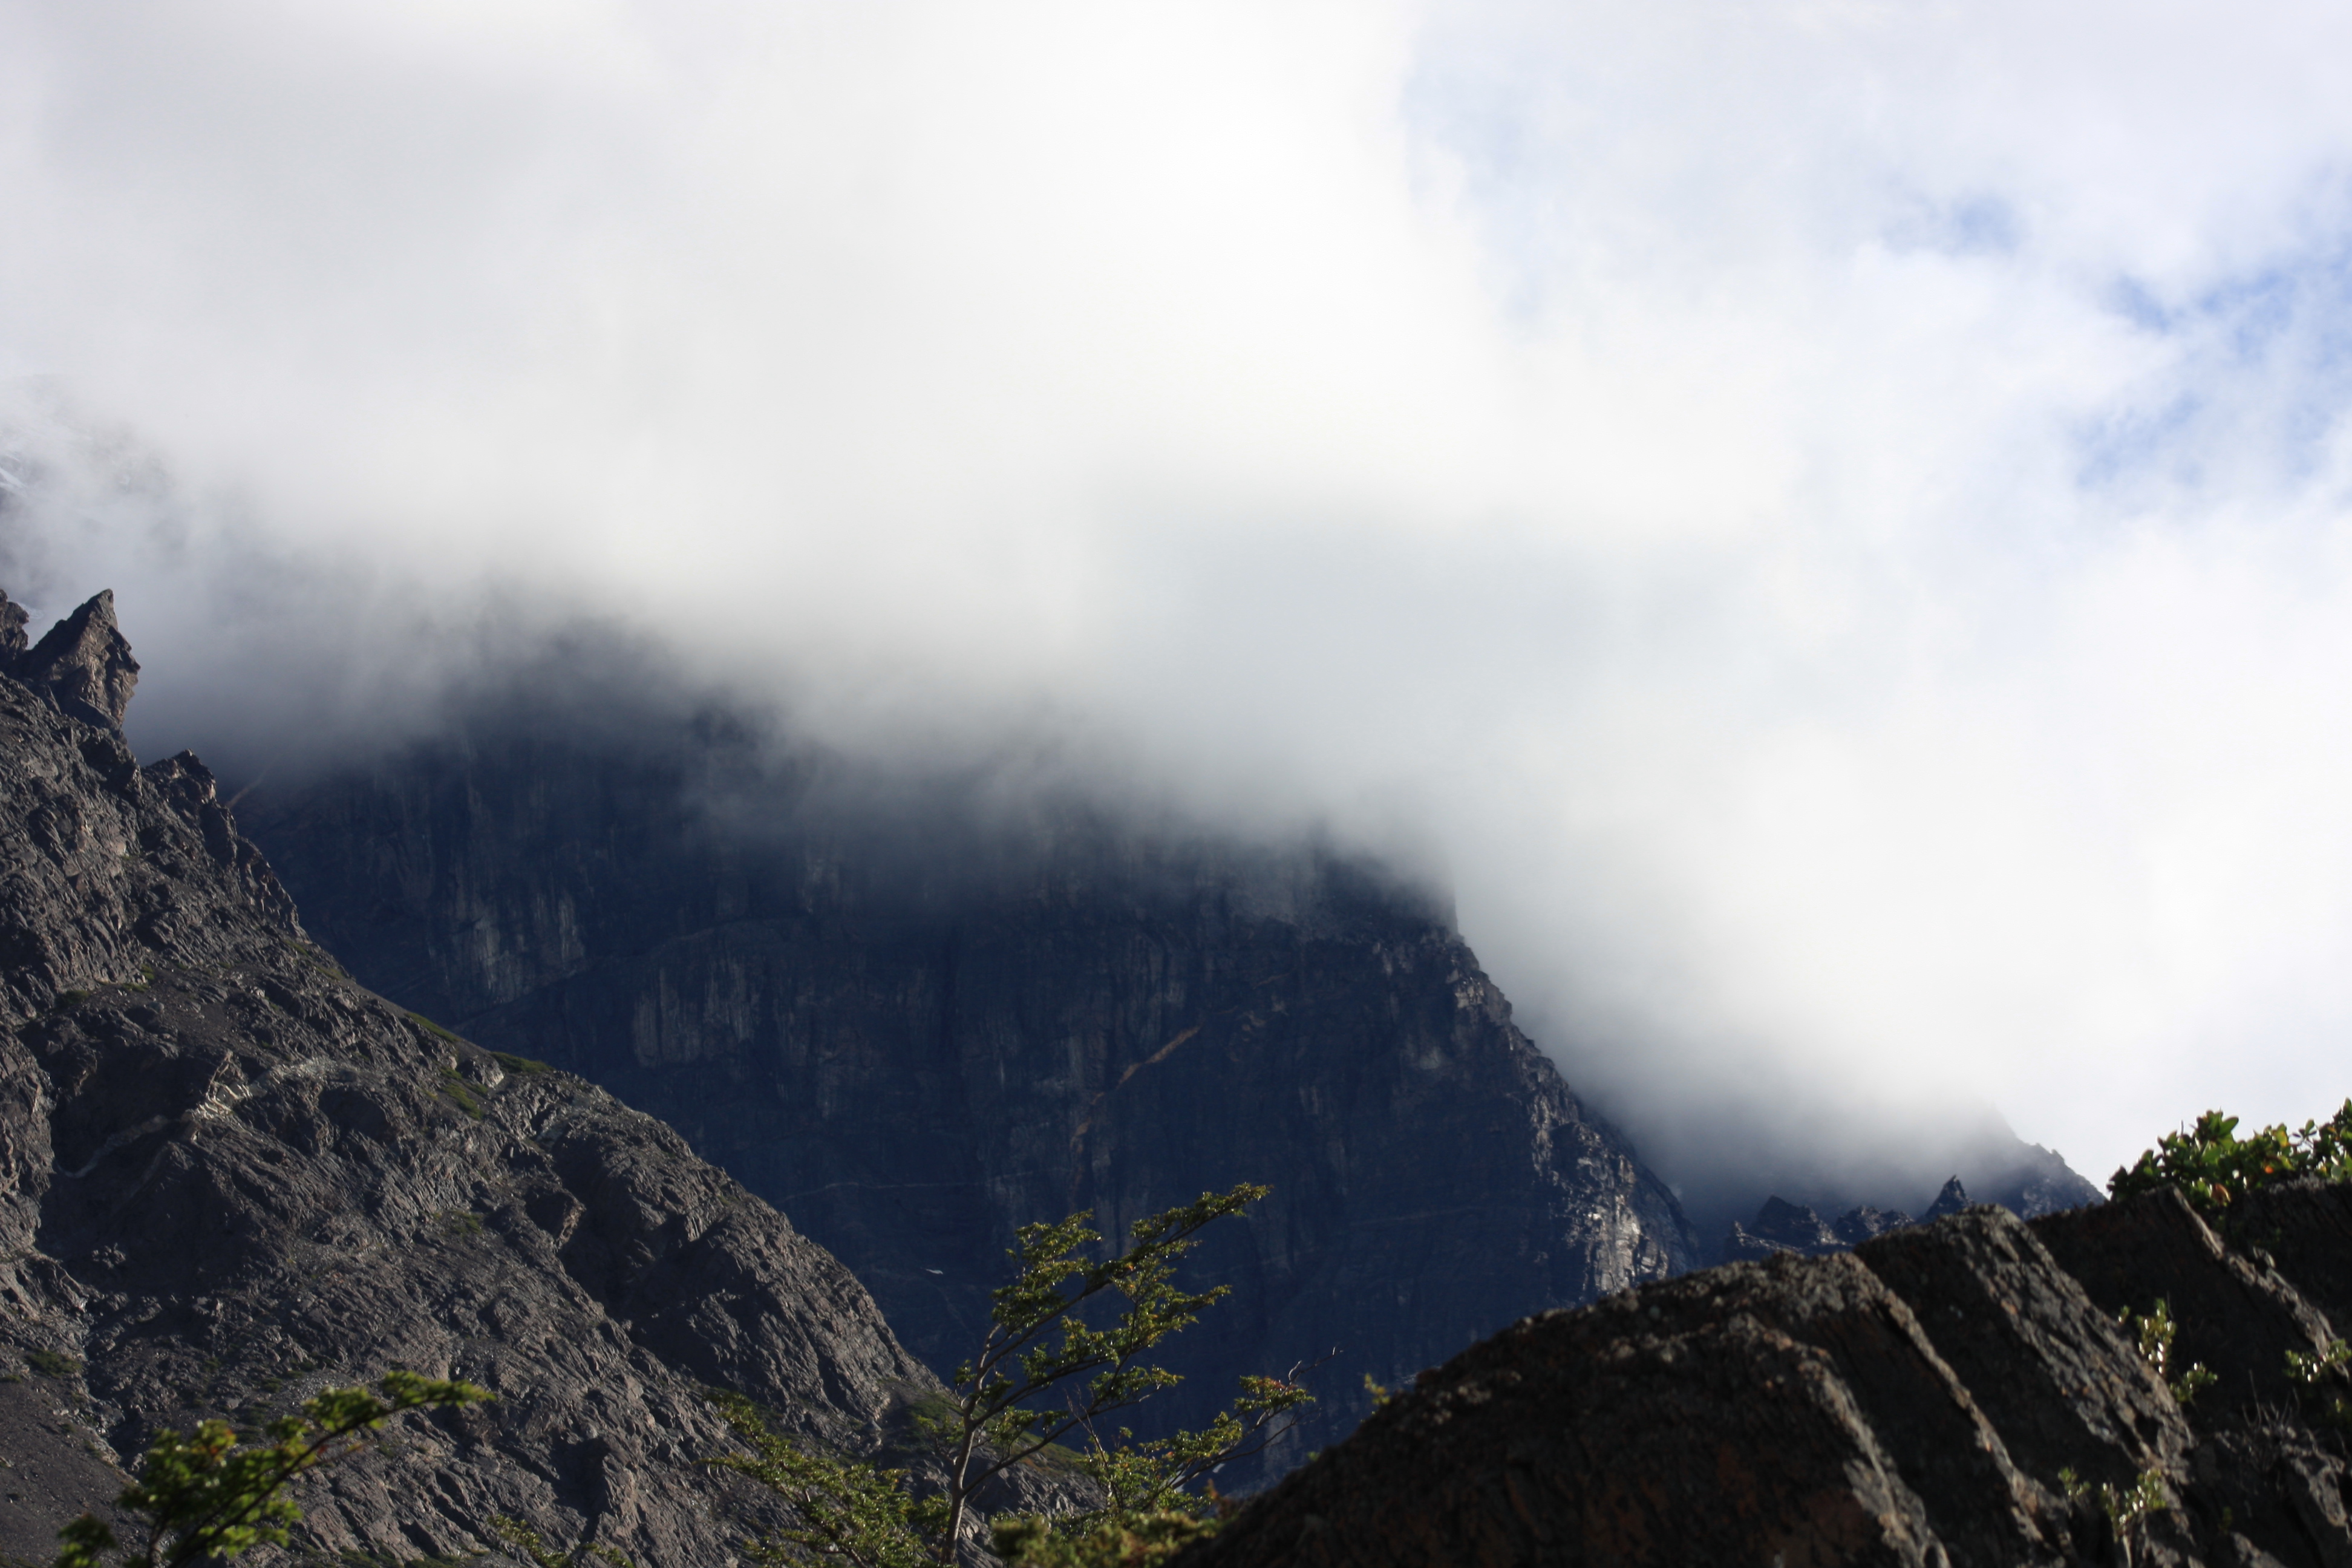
(230, 1176)
(1955, 1393)
(1782, 1227)
(83, 666)
(913, 1032)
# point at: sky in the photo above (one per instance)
(1829, 525)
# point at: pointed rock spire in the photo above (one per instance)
(83, 666)
(1951, 1200)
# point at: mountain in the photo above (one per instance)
(914, 1021)
(2048, 1187)
(1960, 1394)
(230, 1176)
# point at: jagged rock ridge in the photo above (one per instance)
(1949, 1393)
(229, 1176)
(1780, 1225)
(912, 1050)
(83, 668)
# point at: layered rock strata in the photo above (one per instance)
(1959, 1392)
(230, 1176)
(914, 1031)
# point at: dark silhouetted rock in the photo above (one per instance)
(1859, 1225)
(1949, 1393)
(1792, 1225)
(83, 666)
(2051, 1371)
(2305, 1230)
(916, 1031)
(1952, 1200)
(230, 1176)
(2237, 1318)
(1783, 1226)
(1790, 1410)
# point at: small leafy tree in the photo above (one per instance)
(2155, 1331)
(851, 1513)
(2213, 1166)
(2320, 1380)
(1156, 1475)
(2127, 1508)
(1044, 1374)
(208, 1496)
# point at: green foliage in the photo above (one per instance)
(848, 1512)
(457, 1088)
(49, 1364)
(1154, 1478)
(2125, 1508)
(1038, 1342)
(1130, 1541)
(2311, 1371)
(2155, 1331)
(2213, 1167)
(2320, 1381)
(1039, 1346)
(523, 1542)
(208, 1495)
(1381, 1392)
(432, 1028)
(522, 1066)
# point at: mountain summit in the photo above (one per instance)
(231, 1176)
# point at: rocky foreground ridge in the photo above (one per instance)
(914, 1027)
(230, 1176)
(1956, 1393)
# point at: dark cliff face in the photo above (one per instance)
(913, 1037)
(230, 1176)
(1941, 1395)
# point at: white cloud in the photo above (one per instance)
(1832, 515)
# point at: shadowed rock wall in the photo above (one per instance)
(913, 1030)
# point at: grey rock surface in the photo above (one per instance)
(83, 666)
(230, 1176)
(914, 1032)
(1951, 1394)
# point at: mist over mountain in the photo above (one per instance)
(1824, 531)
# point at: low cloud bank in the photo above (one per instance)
(1828, 528)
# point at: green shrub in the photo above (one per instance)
(208, 1496)
(2213, 1167)
(1043, 1373)
(2155, 1331)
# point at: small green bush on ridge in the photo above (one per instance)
(2213, 1167)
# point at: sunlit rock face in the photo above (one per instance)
(82, 667)
(231, 1176)
(914, 1027)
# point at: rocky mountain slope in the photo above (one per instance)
(913, 1030)
(1780, 1225)
(1959, 1394)
(230, 1176)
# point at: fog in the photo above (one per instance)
(1824, 524)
